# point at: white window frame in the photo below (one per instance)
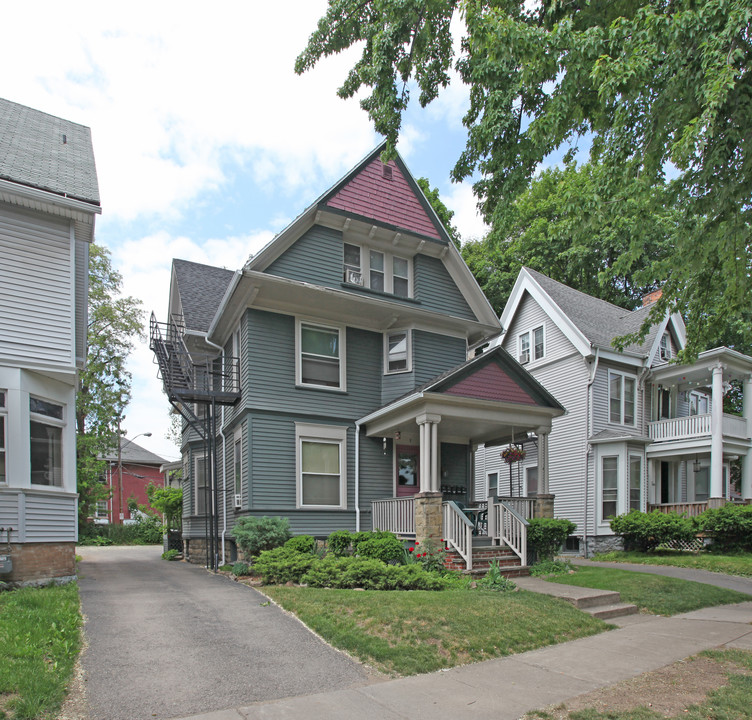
(527, 480)
(200, 458)
(630, 459)
(601, 493)
(622, 398)
(299, 323)
(237, 461)
(333, 434)
(409, 342)
(365, 269)
(4, 436)
(664, 347)
(101, 510)
(488, 483)
(526, 344)
(50, 421)
(697, 398)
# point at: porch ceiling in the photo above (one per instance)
(736, 366)
(463, 420)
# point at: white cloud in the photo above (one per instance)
(467, 219)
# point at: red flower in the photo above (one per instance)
(410, 549)
(417, 543)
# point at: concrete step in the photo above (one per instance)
(604, 612)
(595, 598)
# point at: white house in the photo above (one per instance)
(48, 202)
(640, 431)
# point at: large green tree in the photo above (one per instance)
(105, 383)
(661, 90)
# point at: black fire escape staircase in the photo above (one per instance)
(203, 381)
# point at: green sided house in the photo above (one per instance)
(328, 380)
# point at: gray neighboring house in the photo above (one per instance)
(337, 364)
(640, 431)
(49, 199)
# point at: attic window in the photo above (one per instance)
(387, 171)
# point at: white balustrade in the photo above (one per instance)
(696, 426)
(396, 515)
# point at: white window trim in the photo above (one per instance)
(52, 422)
(488, 482)
(237, 438)
(194, 480)
(530, 336)
(299, 322)
(365, 268)
(602, 521)
(409, 367)
(527, 480)
(621, 422)
(4, 433)
(630, 457)
(321, 433)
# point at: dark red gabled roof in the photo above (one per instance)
(491, 383)
(390, 197)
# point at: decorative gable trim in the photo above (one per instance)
(525, 283)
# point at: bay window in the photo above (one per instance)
(46, 447)
(635, 482)
(609, 487)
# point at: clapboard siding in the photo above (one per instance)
(530, 315)
(82, 299)
(50, 518)
(434, 354)
(435, 289)
(376, 476)
(394, 386)
(316, 257)
(36, 275)
(9, 514)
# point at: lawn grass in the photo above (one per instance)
(738, 564)
(652, 593)
(40, 638)
(405, 633)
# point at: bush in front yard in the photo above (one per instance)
(547, 535)
(282, 565)
(387, 549)
(301, 543)
(646, 531)
(256, 534)
(339, 542)
(730, 527)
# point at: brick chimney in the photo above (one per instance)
(652, 297)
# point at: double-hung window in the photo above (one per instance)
(397, 352)
(320, 357)
(378, 270)
(621, 398)
(321, 461)
(200, 485)
(3, 441)
(609, 487)
(532, 345)
(46, 434)
(635, 482)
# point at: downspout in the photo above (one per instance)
(588, 429)
(224, 458)
(641, 382)
(357, 476)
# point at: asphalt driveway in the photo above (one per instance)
(168, 639)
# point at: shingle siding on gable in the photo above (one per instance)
(316, 257)
(436, 290)
(36, 291)
(391, 201)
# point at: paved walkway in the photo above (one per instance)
(507, 688)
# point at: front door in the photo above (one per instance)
(407, 470)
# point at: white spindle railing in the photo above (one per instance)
(679, 428)
(506, 525)
(394, 514)
(735, 426)
(458, 531)
(524, 506)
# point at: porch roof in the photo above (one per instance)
(737, 366)
(489, 398)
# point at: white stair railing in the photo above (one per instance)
(506, 525)
(458, 531)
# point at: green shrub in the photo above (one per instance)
(240, 568)
(96, 540)
(283, 564)
(494, 580)
(170, 554)
(646, 531)
(730, 527)
(256, 534)
(551, 567)
(301, 543)
(387, 549)
(547, 535)
(339, 542)
(149, 529)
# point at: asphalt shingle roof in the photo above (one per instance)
(599, 321)
(134, 453)
(201, 288)
(47, 152)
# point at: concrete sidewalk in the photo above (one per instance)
(506, 688)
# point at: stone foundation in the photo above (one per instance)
(40, 563)
(194, 551)
(428, 516)
(604, 544)
(544, 506)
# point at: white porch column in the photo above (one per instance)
(716, 434)
(429, 452)
(542, 433)
(747, 459)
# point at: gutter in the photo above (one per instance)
(588, 422)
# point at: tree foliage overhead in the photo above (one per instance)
(657, 87)
(105, 383)
(442, 211)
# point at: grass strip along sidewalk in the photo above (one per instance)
(740, 564)
(652, 593)
(40, 638)
(405, 633)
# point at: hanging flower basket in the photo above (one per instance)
(512, 454)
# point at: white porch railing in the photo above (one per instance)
(692, 509)
(696, 426)
(506, 525)
(524, 506)
(458, 531)
(394, 514)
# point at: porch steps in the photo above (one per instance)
(603, 604)
(483, 556)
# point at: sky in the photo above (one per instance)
(206, 142)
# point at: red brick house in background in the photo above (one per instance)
(140, 469)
